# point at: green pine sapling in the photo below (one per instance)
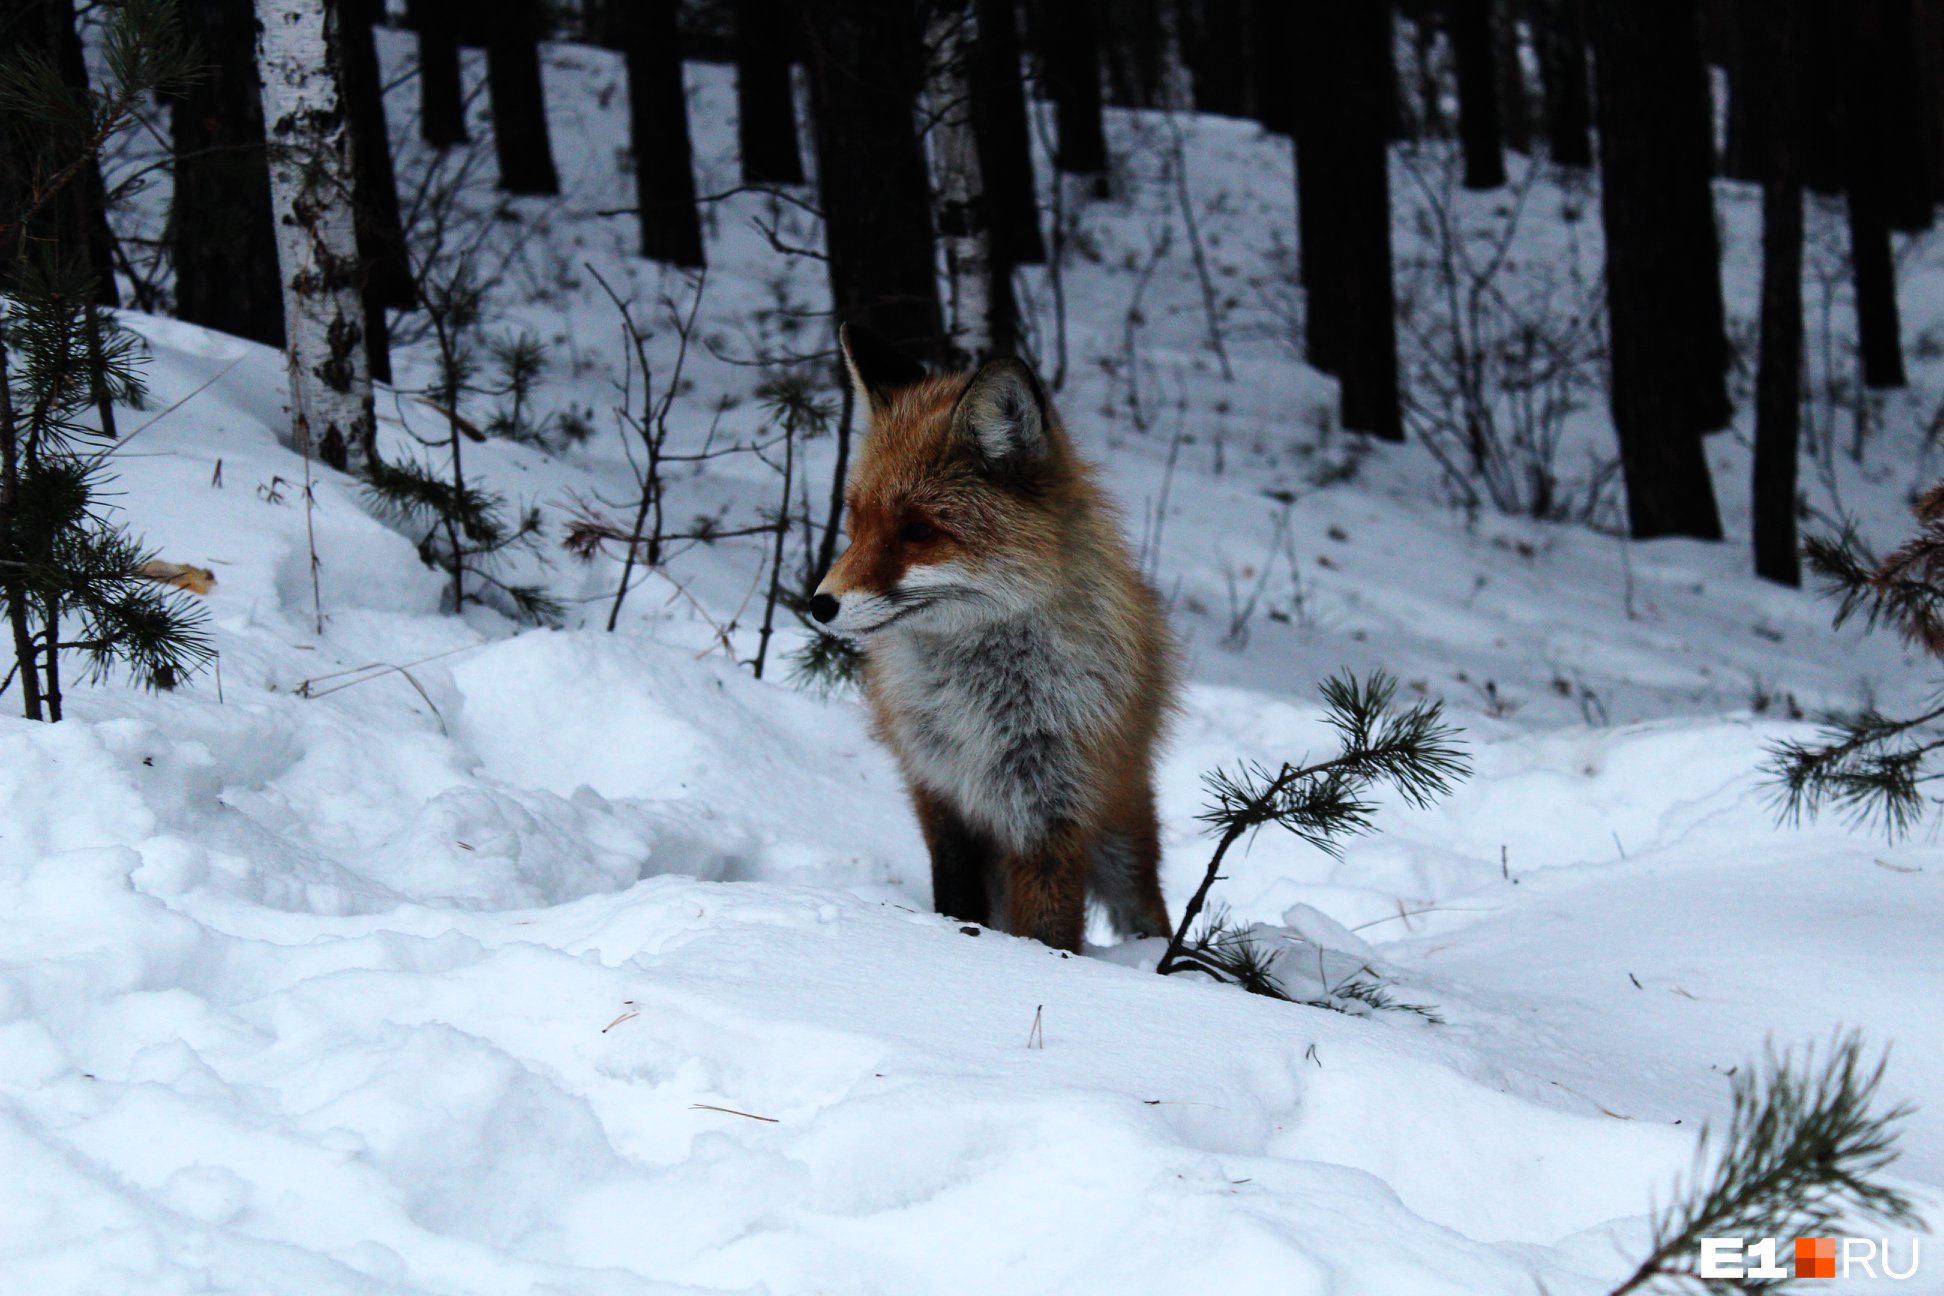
(463, 529)
(1803, 1155)
(1870, 766)
(1410, 749)
(70, 580)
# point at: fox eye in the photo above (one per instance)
(917, 532)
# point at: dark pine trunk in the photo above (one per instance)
(1478, 93)
(1769, 59)
(1355, 100)
(1319, 236)
(442, 96)
(1559, 28)
(75, 216)
(766, 125)
(1216, 56)
(1005, 140)
(1870, 157)
(221, 236)
(1273, 49)
(1928, 17)
(866, 73)
(671, 226)
(1821, 59)
(1072, 63)
(526, 162)
(1666, 342)
(1132, 43)
(1515, 105)
(1736, 27)
(1902, 129)
(381, 240)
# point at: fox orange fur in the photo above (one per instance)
(1015, 662)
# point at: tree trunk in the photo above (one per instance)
(1873, 271)
(1217, 56)
(1769, 62)
(1929, 46)
(311, 183)
(222, 237)
(1478, 91)
(1870, 159)
(1657, 209)
(381, 239)
(765, 99)
(1272, 49)
(1358, 179)
(671, 226)
(1823, 69)
(442, 95)
(1318, 235)
(971, 273)
(1739, 27)
(866, 70)
(1132, 45)
(1005, 142)
(75, 216)
(526, 162)
(1559, 27)
(1072, 68)
(13, 584)
(1515, 105)
(1900, 128)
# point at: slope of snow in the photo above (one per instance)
(421, 955)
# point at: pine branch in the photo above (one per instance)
(826, 662)
(1802, 1154)
(1412, 750)
(1235, 955)
(1864, 764)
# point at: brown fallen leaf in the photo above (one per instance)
(197, 580)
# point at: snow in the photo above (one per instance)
(423, 954)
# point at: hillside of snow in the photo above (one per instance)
(424, 953)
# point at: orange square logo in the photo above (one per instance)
(1815, 1258)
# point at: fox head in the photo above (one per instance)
(954, 509)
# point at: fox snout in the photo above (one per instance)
(856, 611)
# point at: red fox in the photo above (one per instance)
(1015, 662)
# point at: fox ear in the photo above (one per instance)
(876, 367)
(1003, 414)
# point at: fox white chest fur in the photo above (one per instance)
(998, 721)
(1016, 663)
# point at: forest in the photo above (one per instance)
(446, 848)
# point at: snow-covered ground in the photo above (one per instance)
(426, 955)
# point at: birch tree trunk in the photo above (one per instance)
(962, 225)
(311, 186)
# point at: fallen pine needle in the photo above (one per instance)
(731, 1111)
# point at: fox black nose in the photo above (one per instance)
(824, 608)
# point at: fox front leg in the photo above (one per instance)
(1046, 888)
(961, 859)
